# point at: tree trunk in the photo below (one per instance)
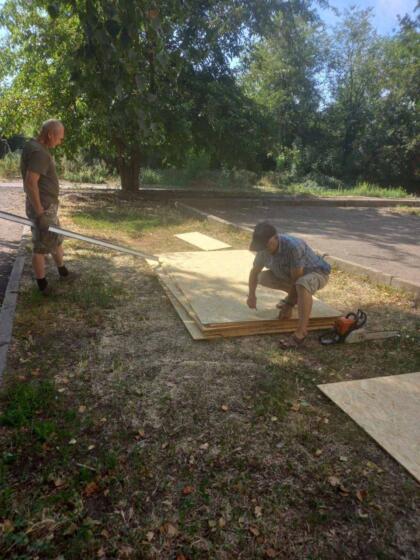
(129, 170)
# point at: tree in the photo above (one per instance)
(392, 139)
(283, 78)
(356, 61)
(112, 70)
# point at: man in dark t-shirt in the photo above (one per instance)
(41, 186)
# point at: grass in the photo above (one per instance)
(269, 183)
(126, 220)
(123, 438)
(10, 166)
(404, 211)
(198, 177)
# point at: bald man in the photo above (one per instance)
(41, 186)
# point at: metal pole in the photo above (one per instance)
(73, 235)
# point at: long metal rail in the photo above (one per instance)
(73, 235)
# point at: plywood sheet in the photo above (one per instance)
(199, 332)
(388, 408)
(202, 241)
(216, 286)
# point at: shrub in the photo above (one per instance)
(80, 171)
(150, 176)
(10, 165)
(196, 165)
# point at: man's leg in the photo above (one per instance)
(304, 304)
(269, 280)
(38, 265)
(58, 255)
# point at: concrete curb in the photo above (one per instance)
(7, 313)
(376, 276)
(288, 200)
(175, 194)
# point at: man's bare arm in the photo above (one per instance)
(32, 189)
(252, 287)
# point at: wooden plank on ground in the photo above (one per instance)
(216, 286)
(202, 241)
(199, 332)
(388, 409)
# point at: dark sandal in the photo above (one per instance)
(292, 342)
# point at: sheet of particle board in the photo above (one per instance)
(216, 286)
(388, 408)
(198, 332)
(204, 242)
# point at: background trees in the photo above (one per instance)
(245, 82)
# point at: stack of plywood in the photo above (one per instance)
(209, 292)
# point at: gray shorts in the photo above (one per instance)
(313, 281)
(45, 242)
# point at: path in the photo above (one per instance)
(373, 237)
(11, 200)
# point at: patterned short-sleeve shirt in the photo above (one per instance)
(292, 253)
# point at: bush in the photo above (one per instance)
(79, 171)
(196, 165)
(236, 178)
(10, 165)
(150, 176)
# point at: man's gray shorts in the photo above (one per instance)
(313, 281)
(45, 242)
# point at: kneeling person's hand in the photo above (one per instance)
(285, 311)
(252, 302)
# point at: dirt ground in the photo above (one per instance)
(124, 438)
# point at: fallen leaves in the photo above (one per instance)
(254, 531)
(224, 407)
(169, 530)
(188, 490)
(258, 511)
(90, 489)
(336, 483)
(361, 495)
(7, 526)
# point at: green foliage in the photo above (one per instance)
(150, 176)
(125, 77)
(10, 165)
(197, 164)
(83, 172)
(143, 86)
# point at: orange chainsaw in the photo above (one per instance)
(343, 326)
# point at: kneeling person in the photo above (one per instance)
(292, 267)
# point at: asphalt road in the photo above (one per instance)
(11, 200)
(378, 238)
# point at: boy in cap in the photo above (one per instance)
(292, 267)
